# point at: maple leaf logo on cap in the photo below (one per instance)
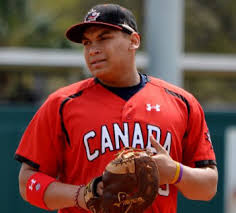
(92, 15)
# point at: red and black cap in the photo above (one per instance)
(112, 15)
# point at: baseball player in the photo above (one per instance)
(80, 127)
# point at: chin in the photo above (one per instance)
(99, 73)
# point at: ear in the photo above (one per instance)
(134, 41)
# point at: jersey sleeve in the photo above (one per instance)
(197, 146)
(42, 142)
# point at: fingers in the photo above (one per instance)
(100, 188)
(159, 148)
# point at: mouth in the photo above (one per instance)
(97, 61)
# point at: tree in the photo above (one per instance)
(210, 26)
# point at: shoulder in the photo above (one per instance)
(71, 89)
(171, 88)
(179, 94)
(51, 107)
(56, 98)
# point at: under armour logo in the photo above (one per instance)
(155, 107)
(33, 181)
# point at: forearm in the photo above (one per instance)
(57, 195)
(198, 183)
(195, 184)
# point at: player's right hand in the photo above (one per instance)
(92, 194)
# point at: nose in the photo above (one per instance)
(94, 51)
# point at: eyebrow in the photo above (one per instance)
(104, 32)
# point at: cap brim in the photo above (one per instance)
(75, 32)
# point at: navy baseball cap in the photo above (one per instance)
(112, 15)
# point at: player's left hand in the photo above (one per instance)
(165, 164)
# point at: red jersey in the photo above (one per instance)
(77, 131)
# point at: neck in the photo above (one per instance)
(131, 78)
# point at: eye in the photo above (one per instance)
(105, 37)
(86, 42)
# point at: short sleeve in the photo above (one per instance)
(197, 146)
(42, 142)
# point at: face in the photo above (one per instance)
(107, 51)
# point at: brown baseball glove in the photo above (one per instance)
(130, 184)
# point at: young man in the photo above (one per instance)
(79, 128)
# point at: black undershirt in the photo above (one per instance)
(127, 92)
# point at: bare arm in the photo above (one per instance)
(57, 196)
(199, 183)
(196, 183)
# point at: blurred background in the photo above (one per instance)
(190, 43)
